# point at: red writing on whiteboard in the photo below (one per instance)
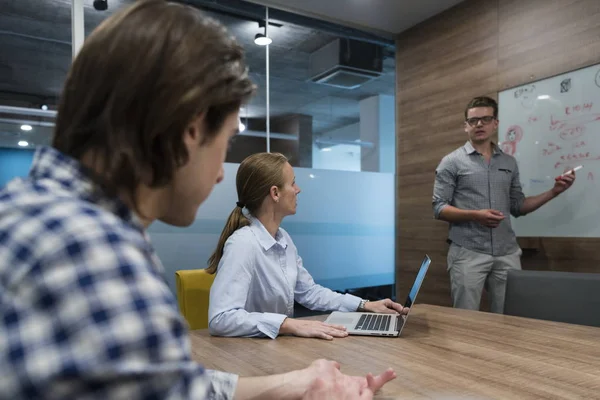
(531, 120)
(575, 156)
(576, 120)
(579, 145)
(552, 148)
(579, 108)
(555, 123)
(590, 176)
(572, 132)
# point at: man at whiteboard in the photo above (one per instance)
(476, 189)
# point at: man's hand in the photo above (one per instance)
(385, 306)
(489, 218)
(374, 383)
(562, 183)
(322, 380)
(328, 382)
(315, 329)
(338, 389)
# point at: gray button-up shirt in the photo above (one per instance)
(465, 180)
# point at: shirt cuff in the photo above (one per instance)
(437, 209)
(222, 385)
(350, 303)
(270, 323)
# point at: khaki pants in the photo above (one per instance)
(471, 271)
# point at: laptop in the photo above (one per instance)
(375, 324)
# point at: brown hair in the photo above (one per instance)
(140, 78)
(482, 101)
(256, 176)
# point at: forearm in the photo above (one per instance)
(452, 214)
(532, 203)
(288, 386)
(240, 323)
(287, 327)
(319, 298)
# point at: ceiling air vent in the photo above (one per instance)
(346, 63)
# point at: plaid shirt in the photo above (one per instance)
(85, 311)
(466, 181)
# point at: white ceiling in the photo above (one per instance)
(388, 17)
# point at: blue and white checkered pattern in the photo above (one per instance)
(85, 310)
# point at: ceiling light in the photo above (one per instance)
(26, 128)
(44, 107)
(326, 149)
(262, 40)
(242, 127)
(100, 5)
(23, 143)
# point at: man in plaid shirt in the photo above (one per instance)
(146, 114)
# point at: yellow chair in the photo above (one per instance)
(193, 292)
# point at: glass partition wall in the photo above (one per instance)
(325, 100)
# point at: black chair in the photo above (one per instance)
(570, 297)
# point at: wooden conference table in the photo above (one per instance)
(443, 353)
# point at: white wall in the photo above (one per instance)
(341, 157)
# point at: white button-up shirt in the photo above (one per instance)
(257, 281)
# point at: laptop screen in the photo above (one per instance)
(418, 281)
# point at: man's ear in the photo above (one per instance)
(194, 131)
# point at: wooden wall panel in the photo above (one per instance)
(477, 48)
(539, 38)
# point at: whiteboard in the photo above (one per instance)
(550, 126)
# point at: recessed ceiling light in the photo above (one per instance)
(242, 127)
(26, 127)
(100, 5)
(262, 40)
(326, 149)
(23, 143)
(44, 107)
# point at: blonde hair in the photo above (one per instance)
(256, 176)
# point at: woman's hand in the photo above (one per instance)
(316, 329)
(385, 306)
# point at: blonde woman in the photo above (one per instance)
(259, 270)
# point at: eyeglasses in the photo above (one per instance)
(484, 120)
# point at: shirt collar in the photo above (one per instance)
(70, 176)
(470, 149)
(264, 237)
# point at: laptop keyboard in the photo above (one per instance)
(373, 322)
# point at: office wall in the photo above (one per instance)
(477, 48)
(343, 228)
(14, 163)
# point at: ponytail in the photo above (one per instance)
(255, 177)
(236, 220)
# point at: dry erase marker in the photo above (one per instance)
(572, 171)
